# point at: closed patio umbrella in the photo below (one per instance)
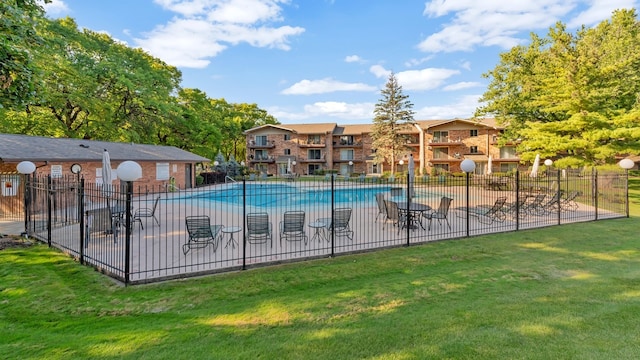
(534, 168)
(289, 166)
(107, 174)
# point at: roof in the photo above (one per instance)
(487, 122)
(353, 129)
(14, 147)
(321, 128)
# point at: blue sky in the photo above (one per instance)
(310, 61)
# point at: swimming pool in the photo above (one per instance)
(283, 195)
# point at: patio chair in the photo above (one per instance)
(201, 233)
(259, 228)
(339, 225)
(382, 210)
(536, 207)
(397, 218)
(569, 203)
(145, 213)
(292, 227)
(441, 213)
(489, 214)
(552, 205)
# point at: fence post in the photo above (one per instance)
(559, 195)
(594, 178)
(518, 199)
(81, 218)
(49, 208)
(244, 223)
(127, 232)
(332, 215)
(409, 215)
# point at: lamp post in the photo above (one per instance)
(26, 168)
(626, 164)
(350, 167)
(128, 171)
(468, 166)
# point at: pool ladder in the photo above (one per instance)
(228, 177)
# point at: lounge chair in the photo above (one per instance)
(339, 224)
(536, 206)
(569, 203)
(259, 228)
(145, 213)
(201, 233)
(489, 214)
(552, 205)
(441, 213)
(397, 218)
(292, 227)
(382, 210)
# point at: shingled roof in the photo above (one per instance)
(15, 148)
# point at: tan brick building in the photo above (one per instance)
(435, 144)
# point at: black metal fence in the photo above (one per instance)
(140, 234)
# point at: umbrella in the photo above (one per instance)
(107, 175)
(489, 161)
(536, 165)
(412, 172)
(289, 166)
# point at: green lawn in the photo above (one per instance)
(567, 292)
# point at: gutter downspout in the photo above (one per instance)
(421, 155)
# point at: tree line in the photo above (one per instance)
(58, 80)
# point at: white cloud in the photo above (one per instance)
(461, 86)
(598, 11)
(353, 58)
(490, 22)
(55, 7)
(425, 79)
(416, 62)
(204, 28)
(308, 87)
(462, 109)
(325, 111)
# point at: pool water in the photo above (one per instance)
(281, 195)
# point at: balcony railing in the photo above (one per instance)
(312, 143)
(262, 144)
(347, 143)
(261, 159)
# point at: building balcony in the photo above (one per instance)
(347, 144)
(261, 159)
(445, 140)
(269, 144)
(312, 144)
(347, 160)
(312, 160)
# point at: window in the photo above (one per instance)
(441, 153)
(261, 155)
(346, 140)
(287, 151)
(507, 167)
(314, 139)
(162, 171)
(440, 136)
(261, 140)
(314, 154)
(261, 168)
(287, 136)
(346, 154)
(473, 149)
(473, 133)
(508, 152)
(313, 168)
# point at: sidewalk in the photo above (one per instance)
(11, 227)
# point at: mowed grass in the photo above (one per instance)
(567, 292)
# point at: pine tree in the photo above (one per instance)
(393, 112)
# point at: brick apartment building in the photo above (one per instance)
(435, 144)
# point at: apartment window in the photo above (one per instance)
(346, 154)
(287, 136)
(508, 152)
(440, 136)
(473, 149)
(261, 140)
(314, 154)
(314, 139)
(441, 153)
(261, 155)
(313, 168)
(287, 151)
(346, 140)
(473, 133)
(507, 167)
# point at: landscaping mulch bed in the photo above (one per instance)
(13, 241)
